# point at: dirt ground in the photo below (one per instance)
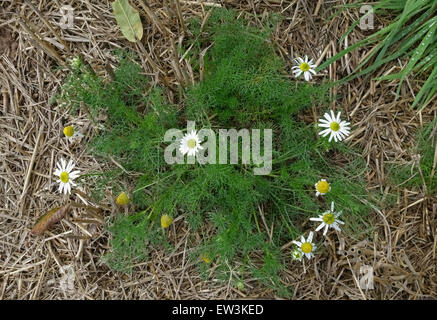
(65, 261)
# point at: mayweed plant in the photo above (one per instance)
(245, 85)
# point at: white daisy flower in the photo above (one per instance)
(306, 246)
(322, 187)
(296, 254)
(329, 220)
(337, 128)
(304, 66)
(66, 175)
(72, 134)
(190, 144)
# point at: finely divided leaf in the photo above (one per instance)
(128, 20)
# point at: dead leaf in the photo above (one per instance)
(128, 20)
(49, 219)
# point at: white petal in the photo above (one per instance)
(70, 166)
(326, 230)
(325, 132)
(320, 226)
(73, 175)
(310, 237)
(333, 116)
(316, 219)
(328, 117)
(323, 121)
(307, 76)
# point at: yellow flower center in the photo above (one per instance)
(304, 66)
(122, 199)
(322, 187)
(306, 247)
(69, 131)
(64, 177)
(334, 126)
(328, 218)
(191, 143)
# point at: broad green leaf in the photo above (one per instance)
(128, 20)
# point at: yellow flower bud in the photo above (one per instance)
(206, 258)
(166, 221)
(123, 199)
(69, 131)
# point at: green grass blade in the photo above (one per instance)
(427, 40)
(429, 85)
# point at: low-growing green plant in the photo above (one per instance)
(252, 216)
